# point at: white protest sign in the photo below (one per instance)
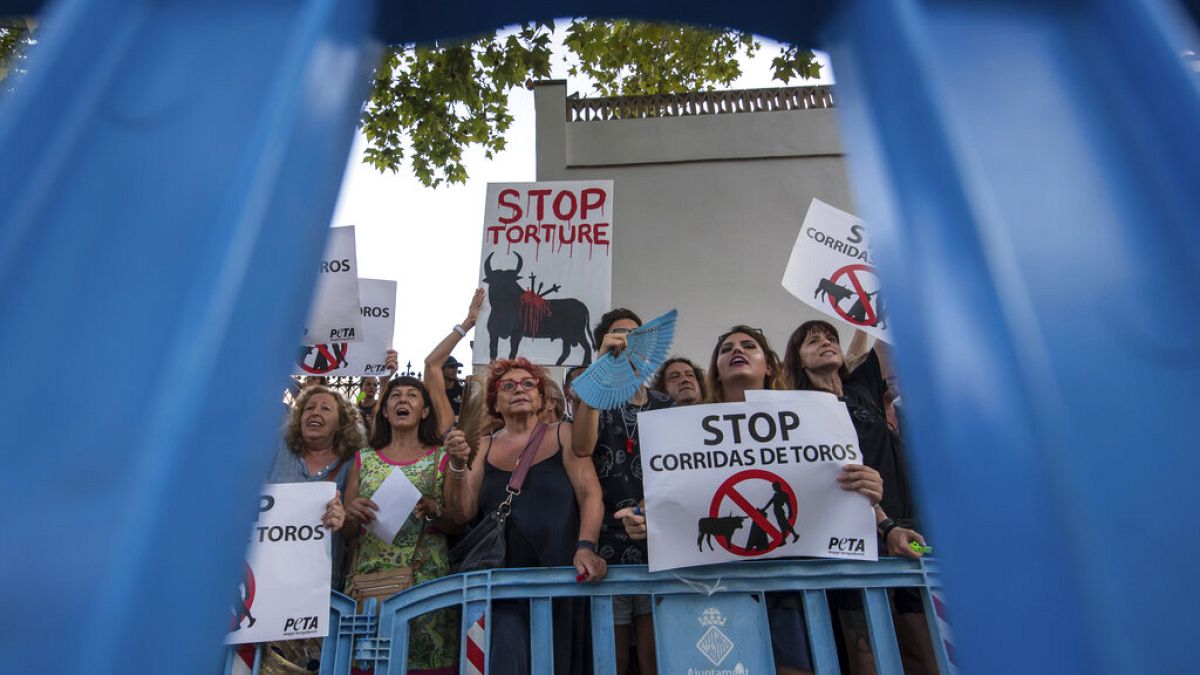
(334, 315)
(737, 481)
(368, 356)
(284, 593)
(395, 498)
(832, 271)
(547, 265)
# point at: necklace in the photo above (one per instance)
(631, 431)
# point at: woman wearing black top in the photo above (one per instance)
(814, 361)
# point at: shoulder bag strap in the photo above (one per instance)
(525, 460)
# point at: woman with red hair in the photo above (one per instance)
(554, 520)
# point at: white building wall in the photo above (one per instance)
(707, 209)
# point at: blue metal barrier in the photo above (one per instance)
(383, 643)
(169, 169)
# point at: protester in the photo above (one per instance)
(315, 381)
(555, 520)
(454, 385)
(569, 393)
(320, 438)
(743, 360)
(406, 439)
(814, 361)
(369, 390)
(554, 409)
(682, 380)
(610, 437)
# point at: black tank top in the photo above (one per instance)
(544, 524)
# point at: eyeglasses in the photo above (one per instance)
(526, 384)
(621, 331)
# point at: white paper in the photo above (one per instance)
(759, 481)
(396, 498)
(832, 271)
(368, 357)
(284, 591)
(549, 248)
(335, 316)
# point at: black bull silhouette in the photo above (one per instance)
(722, 526)
(513, 317)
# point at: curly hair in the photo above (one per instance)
(775, 378)
(349, 437)
(791, 355)
(427, 430)
(499, 367)
(660, 379)
(608, 319)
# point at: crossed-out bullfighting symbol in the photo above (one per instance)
(321, 359)
(866, 308)
(763, 535)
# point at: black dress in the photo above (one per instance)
(542, 532)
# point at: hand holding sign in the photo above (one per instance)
(863, 480)
(766, 479)
(832, 271)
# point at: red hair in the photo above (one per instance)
(500, 367)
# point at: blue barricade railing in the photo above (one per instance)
(382, 642)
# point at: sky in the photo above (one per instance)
(428, 239)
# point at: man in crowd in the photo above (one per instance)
(682, 380)
(454, 385)
(611, 438)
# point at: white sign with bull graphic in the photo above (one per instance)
(737, 481)
(547, 267)
(832, 271)
(366, 358)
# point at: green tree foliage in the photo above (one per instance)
(442, 98)
(446, 97)
(15, 37)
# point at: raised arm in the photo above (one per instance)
(857, 351)
(435, 382)
(586, 422)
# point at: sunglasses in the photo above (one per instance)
(526, 384)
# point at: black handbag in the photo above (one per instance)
(485, 546)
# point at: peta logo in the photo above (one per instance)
(302, 624)
(847, 546)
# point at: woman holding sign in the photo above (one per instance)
(405, 440)
(320, 438)
(743, 360)
(814, 361)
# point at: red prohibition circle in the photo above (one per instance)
(249, 585)
(852, 271)
(330, 358)
(728, 489)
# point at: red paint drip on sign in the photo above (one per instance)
(534, 309)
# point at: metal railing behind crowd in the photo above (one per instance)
(722, 605)
(700, 103)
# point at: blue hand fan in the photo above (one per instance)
(612, 380)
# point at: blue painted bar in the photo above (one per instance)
(541, 636)
(882, 631)
(604, 651)
(820, 633)
(1029, 212)
(169, 170)
(939, 646)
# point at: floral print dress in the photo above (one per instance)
(433, 637)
